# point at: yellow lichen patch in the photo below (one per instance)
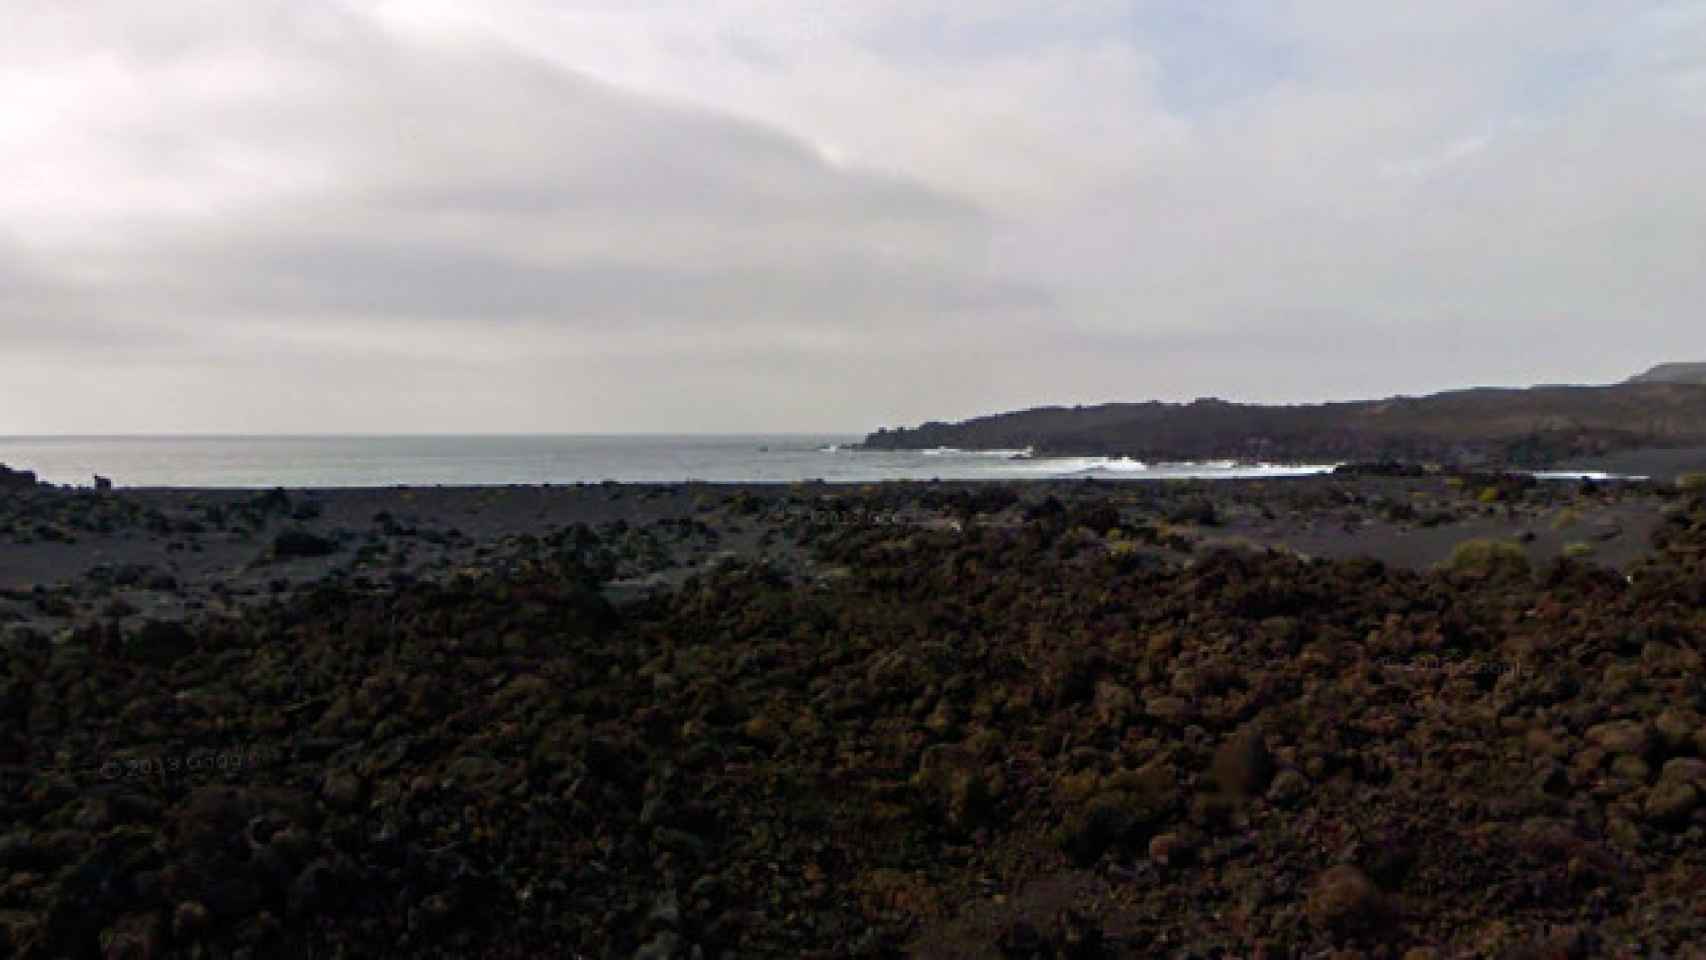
(1078, 786)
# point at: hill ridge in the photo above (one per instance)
(1694, 373)
(1531, 427)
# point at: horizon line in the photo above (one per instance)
(371, 435)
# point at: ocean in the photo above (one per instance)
(381, 461)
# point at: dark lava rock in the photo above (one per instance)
(1078, 936)
(1621, 737)
(290, 544)
(1344, 899)
(1242, 765)
(1021, 941)
(135, 936)
(16, 479)
(665, 946)
(1382, 468)
(160, 642)
(18, 851)
(343, 790)
(189, 919)
(1288, 788)
(1676, 796)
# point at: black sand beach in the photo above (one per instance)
(71, 555)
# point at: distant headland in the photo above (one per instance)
(1536, 427)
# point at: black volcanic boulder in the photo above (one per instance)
(16, 479)
(1242, 764)
(301, 543)
(1049, 509)
(160, 642)
(1380, 468)
(1098, 517)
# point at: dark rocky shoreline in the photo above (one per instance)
(1534, 428)
(1244, 718)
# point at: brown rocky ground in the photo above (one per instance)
(1073, 726)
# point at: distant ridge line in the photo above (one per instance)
(1694, 373)
(1534, 427)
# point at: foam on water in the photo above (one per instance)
(1124, 465)
(957, 452)
(1595, 475)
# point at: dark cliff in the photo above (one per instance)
(1533, 427)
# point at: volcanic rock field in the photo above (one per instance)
(1354, 716)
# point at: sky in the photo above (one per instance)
(308, 216)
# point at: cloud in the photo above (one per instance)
(368, 192)
(750, 214)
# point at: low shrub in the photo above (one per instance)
(1483, 557)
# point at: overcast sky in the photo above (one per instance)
(758, 215)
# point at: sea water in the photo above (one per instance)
(414, 460)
